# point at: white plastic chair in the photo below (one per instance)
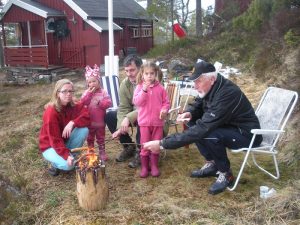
(218, 66)
(273, 112)
(111, 85)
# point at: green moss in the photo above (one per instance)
(291, 38)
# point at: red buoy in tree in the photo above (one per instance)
(179, 31)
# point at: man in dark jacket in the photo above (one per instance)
(221, 117)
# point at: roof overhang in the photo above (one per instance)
(102, 24)
(95, 23)
(33, 7)
(45, 12)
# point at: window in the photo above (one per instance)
(136, 32)
(146, 32)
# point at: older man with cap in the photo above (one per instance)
(220, 117)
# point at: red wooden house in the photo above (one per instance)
(72, 33)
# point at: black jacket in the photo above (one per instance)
(224, 106)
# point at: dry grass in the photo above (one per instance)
(173, 198)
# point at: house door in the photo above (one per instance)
(54, 49)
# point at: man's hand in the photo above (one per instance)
(152, 146)
(116, 134)
(124, 126)
(184, 117)
(68, 129)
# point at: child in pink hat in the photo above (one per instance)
(97, 100)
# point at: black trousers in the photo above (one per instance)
(213, 146)
(111, 122)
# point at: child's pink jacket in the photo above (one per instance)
(150, 104)
(97, 103)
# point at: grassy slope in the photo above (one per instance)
(174, 198)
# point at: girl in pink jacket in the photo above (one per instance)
(97, 101)
(152, 102)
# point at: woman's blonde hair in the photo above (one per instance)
(55, 101)
(149, 64)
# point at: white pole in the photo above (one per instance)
(29, 33)
(110, 37)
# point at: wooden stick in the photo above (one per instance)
(84, 155)
(80, 149)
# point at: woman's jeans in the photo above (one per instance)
(76, 140)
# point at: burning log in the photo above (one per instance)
(92, 187)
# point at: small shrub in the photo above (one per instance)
(291, 38)
(170, 47)
(252, 20)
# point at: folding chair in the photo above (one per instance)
(186, 92)
(111, 85)
(179, 94)
(273, 112)
(173, 95)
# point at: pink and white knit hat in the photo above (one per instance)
(90, 72)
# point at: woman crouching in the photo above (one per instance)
(64, 127)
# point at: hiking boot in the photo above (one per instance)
(136, 160)
(224, 180)
(126, 153)
(208, 170)
(53, 171)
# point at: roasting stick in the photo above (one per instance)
(96, 146)
(80, 149)
(87, 148)
(82, 156)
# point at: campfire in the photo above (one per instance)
(92, 187)
(88, 161)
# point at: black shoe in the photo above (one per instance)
(126, 153)
(53, 171)
(224, 180)
(136, 160)
(208, 170)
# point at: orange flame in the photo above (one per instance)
(88, 159)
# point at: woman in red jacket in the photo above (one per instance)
(64, 127)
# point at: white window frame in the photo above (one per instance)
(146, 31)
(136, 32)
